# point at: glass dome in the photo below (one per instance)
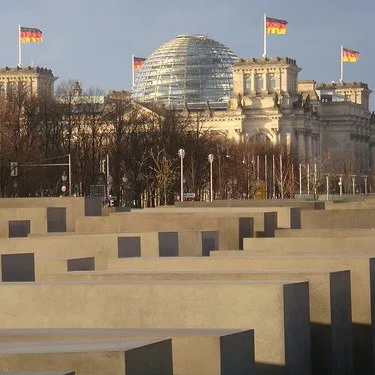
(187, 69)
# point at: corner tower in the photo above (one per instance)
(35, 81)
(355, 92)
(262, 82)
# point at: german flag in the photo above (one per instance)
(349, 55)
(30, 35)
(276, 26)
(138, 62)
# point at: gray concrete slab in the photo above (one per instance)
(230, 305)
(129, 357)
(333, 233)
(362, 281)
(330, 305)
(228, 351)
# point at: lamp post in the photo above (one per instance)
(181, 154)
(210, 160)
(353, 184)
(365, 185)
(70, 174)
(64, 177)
(340, 186)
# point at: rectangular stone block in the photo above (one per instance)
(204, 351)
(343, 244)
(252, 203)
(362, 285)
(307, 233)
(19, 222)
(367, 203)
(330, 305)
(59, 248)
(232, 227)
(129, 357)
(277, 311)
(338, 219)
(75, 207)
(282, 217)
(286, 217)
(265, 219)
(188, 243)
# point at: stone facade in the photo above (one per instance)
(35, 81)
(270, 103)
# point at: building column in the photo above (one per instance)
(252, 77)
(277, 81)
(264, 76)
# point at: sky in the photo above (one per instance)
(92, 41)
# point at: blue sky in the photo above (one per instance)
(92, 40)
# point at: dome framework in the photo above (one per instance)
(187, 69)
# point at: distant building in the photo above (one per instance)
(35, 81)
(270, 103)
(266, 100)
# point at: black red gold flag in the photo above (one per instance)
(276, 26)
(349, 55)
(138, 62)
(30, 35)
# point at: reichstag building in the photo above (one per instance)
(261, 98)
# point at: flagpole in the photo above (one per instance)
(19, 47)
(132, 72)
(341, 65)
(265, 37)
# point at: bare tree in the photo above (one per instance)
(164, 173)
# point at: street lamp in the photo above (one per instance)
(64, 177)
(210, 160)
(181, 154)
(365, 178)
(340, 186)
(353, 184)
(327, 186)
